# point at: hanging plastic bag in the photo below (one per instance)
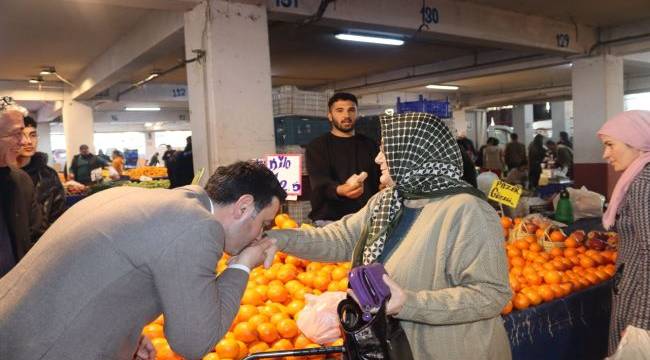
(319, 320)
(635, 345)
(585, 203)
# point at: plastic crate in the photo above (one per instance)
(289, 100)
(435, 107)
(298, 130)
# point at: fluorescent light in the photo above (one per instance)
(142, 109)
(152, 76)
(442, 87)
(370, 39)
(34, 81)
(148, 124)
(48, 71)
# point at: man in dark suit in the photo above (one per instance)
(116, 260)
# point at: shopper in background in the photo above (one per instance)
(182, 164)
(467, 145)
(439, 240)
(536, 155)
(20, 215)
(563, 156)
(48, 189)
(564, 140)
(469, 169)
(113, 262)
(83, 164)
(515, 154)
(481, 150)
(154, 160)
(168, 154)
(334, 160)
(493, 157)
(518, 175)
(626, 138)
(118, 161)
(101, 155)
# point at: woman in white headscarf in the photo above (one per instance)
(626, 138)
(440, 242)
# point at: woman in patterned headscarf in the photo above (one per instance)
(439, 241)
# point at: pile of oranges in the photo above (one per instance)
(538, 276)
(270, 306)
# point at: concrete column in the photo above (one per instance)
(559, 119)
(522, 122)
(44, 141)
(597, 95)
(460, 122)
(231, 112)
(78, 126)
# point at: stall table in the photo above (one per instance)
(575, 327)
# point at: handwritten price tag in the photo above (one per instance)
(287, 168)
(505, 193)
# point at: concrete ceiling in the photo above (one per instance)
(587, 12)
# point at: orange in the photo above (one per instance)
(245, 331)
(227, 348)
(282, 344)
(534, 297)
(258, 347)
(277, 317)
(211, 356)
(546, 292)
(533, 279)
(602, 275)
(517, 271)
(281, 218)
(557, 236)
(300, 293)
(535, 247)
(592, 278)
(610, 270)
(517, 261)
(153, 331)
(587, 262)
(521, 302)
(581, 249)
(539, 233)
(295, 306)
(277, 294)
(267, 332)
(160, 320)
(243, 350)
(515, 285)
(556, 252)
(339, 273)
(292, 286)
(262, 289)
(306, 278)
(258, 319)
(558, 292)
(321, 281)
(506, 222)
(598, 259)
(166, 353)
(289, 224)
(287, 328)
(245, 312)
(513, 252)
(531, 228)
(521, 244)
(333, 286)
(507, 309)
(251, 297)
(301, 341)
(558, 264)
(569, 251)
(158, 342)
(530, 239)
(287, 273)
(571, 242)
(552, 277)
(314, 266)
(269, 309)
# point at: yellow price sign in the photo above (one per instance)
(504, 193)
(198, 176)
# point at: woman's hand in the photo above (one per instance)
(397, 297)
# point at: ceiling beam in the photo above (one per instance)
(624, 39)
(460, 68)
(157, 34)
(449, 20)
(23, 91)
(168, 5)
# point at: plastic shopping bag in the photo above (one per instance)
(635, 345)
(319, 319)
(585, 203)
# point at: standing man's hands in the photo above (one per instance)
(353, 186)
(259, 251)
(145, 351)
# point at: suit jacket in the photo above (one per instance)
(21, 209)
(110, 265)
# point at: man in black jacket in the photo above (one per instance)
(19, 212)
(83, 164)
(336, 159)
(49, 191)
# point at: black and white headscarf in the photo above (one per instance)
(424, 161)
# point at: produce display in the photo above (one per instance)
(545, 264)
(270, 306)
(148, 171)
(74, 188)
(153, 184)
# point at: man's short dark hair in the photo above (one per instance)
(514, 136)
(29, 122)
(82, 147)
(229, 183)
(342, 96)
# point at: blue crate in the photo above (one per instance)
(435, 107)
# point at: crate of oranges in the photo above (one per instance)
(539, 274)
(270, 306)
(553, 237)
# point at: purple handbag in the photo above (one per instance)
(370, 289)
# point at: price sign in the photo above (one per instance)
(505, 193)
(287, 168)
